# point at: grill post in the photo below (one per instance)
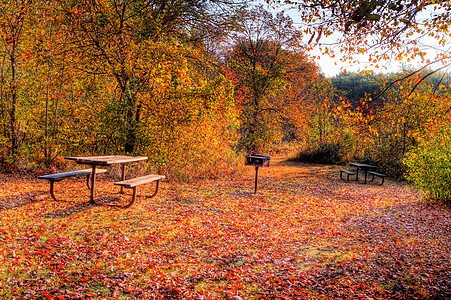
(257, 160)
(256, 180)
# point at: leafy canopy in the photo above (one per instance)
(271, 75)
(399, 30)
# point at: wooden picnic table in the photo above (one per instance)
(364, 167)
(106, 160)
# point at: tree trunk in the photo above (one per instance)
(12, 113)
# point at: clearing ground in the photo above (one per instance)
(306, 234)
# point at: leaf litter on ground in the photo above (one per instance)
(305, 234)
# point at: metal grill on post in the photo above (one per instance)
(257, 160)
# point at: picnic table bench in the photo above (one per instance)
(380, 175)
(367, 170)
(133, 183)
(52, 178)
(348, 173)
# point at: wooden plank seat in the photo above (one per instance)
(380, 175)
(348, 173)
(133, 183)
(52, 178)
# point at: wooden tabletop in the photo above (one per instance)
(106, 160)
(362, 165)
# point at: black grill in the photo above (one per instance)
(257, 160)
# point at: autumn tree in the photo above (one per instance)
(34, 87)
(271, 72)
(15, 29)
(52, 84)
(132, 42)
(386, 31)
(117, 76)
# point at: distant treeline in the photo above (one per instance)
(353, 86)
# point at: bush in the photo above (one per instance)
(332, 153)
(388, 157)
(429, 164)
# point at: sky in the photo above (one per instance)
(330, 66)
(333, 66)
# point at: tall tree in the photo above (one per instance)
(13, 32)
(51, 81)
(131, 41)
(271, 71)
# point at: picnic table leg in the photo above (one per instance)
(52, 182)
(93, 178)
(122, 178)
(366, 173)
(133, 198)
(52, 189)
(156, 190)
(357, 174)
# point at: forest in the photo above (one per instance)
(186, 89)
(195, 89)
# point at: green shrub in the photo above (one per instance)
(429, 164)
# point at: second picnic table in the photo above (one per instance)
(106, 160)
